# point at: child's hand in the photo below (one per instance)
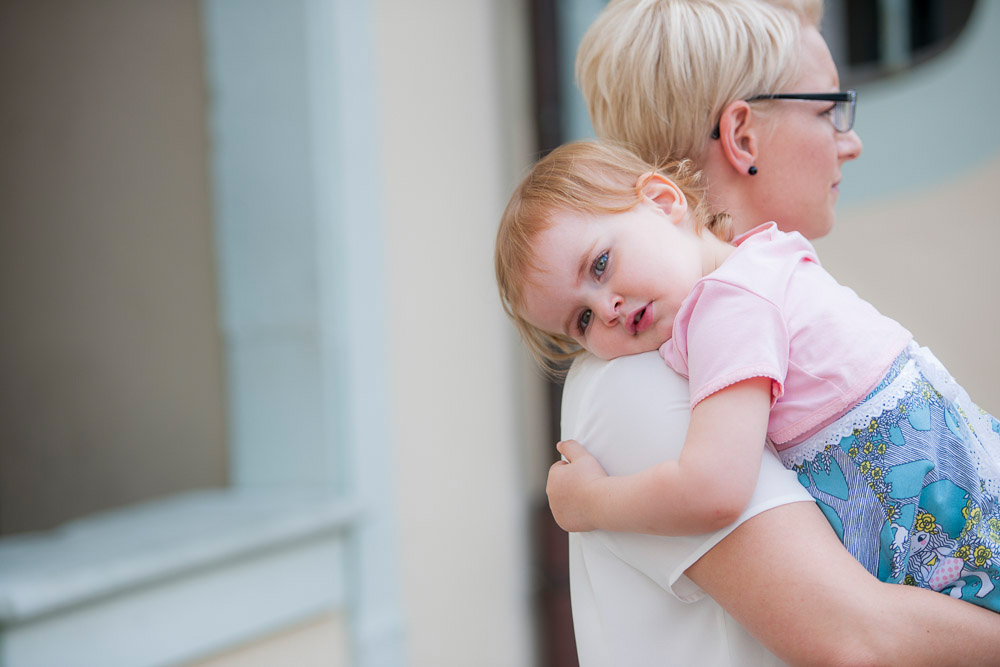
(570, 484)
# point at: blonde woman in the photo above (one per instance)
(683, 78)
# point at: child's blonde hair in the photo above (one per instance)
(657, 74)
(590, 178)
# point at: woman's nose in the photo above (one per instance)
(849, 145)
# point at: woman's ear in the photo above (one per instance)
(665, 194)
(738, 136)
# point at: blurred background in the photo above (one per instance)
(259, 404)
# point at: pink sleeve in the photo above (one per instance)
(725, 334)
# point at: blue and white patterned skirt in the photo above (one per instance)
(910, 480)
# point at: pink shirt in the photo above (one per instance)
(772, 311)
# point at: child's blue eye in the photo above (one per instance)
(600, 264)
(583, 321)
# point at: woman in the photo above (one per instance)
(671, 77)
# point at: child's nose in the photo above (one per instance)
(612, 310)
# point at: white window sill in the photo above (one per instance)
(172, 580)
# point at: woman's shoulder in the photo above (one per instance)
(630, 412)
(634, 372)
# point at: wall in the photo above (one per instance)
(463, 403)
(320, 642)
(109, 350)
(454, 137)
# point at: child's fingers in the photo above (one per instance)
(571, 449)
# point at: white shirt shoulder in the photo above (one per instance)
(631, 599)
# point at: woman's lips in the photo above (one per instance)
(640, 319)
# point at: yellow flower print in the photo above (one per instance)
(873, 426)
(909, 580)
(982, 555)
(972, 514)
(856, 432)
(881, 449)
(891, 512)
(865, 467)
(902, 409)
(868, 447)
(876, 473)
(963, 552)
(853, 452)
(994, 523)
(926, 523)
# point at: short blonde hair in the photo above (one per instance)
(590, 178)
(657, 74)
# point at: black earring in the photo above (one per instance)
(752, 170)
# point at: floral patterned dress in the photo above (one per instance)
(910, 480)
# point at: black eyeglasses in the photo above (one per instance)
(842, 114)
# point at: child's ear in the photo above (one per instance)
(665, 194)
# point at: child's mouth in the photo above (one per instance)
(640, 320)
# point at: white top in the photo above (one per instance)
(632, 603)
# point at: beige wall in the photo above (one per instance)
(110, 370)
(318, 642)
(454, 137)
(928, 258)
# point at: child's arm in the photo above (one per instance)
(706, 489)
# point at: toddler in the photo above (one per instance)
(600, 251)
